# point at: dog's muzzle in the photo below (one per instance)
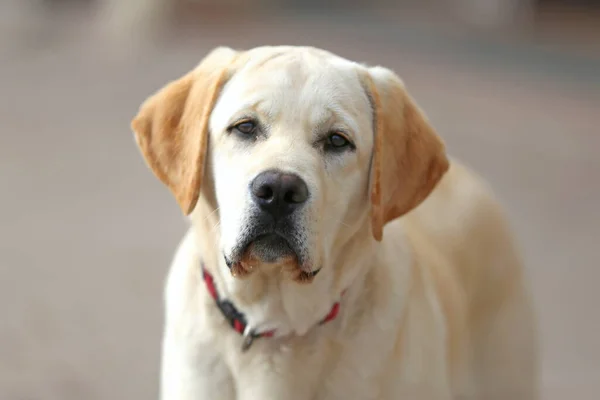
(273, 236)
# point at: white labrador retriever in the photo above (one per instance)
(290, 161)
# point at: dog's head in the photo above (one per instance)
(294, 147)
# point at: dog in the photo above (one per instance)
(335, 250)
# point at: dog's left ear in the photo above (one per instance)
(409, 158)
(171, 127)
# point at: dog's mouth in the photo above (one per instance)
(271, 250)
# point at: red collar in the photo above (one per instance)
(238, 321)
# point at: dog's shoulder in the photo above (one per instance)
(462, 235)
(183, 305)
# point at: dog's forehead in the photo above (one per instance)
(306, 84)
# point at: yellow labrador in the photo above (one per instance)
(335, 251)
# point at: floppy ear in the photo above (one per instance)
(171, 127)
(409, 157)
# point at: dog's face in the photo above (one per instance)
(291, 141)
(301, 146)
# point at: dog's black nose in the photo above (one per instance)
(278, 193)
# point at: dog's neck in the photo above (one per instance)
(270, 299)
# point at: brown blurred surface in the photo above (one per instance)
(87, 233)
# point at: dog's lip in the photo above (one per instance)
(240, 266)
(273, 235)
(246, 246)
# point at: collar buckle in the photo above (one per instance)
(249, 336)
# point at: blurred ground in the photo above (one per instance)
(87, 233)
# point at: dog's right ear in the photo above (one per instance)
(171, 127)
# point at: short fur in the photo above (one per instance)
(434, 306)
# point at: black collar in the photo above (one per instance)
(238, 321)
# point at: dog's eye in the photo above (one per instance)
(337, 142)
(245, 127)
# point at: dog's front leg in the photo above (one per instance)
(192, 371)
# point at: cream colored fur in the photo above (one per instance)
(438, 309)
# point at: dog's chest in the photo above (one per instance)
(309, 372)
(321, 365)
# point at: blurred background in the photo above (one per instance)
(87, 233)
